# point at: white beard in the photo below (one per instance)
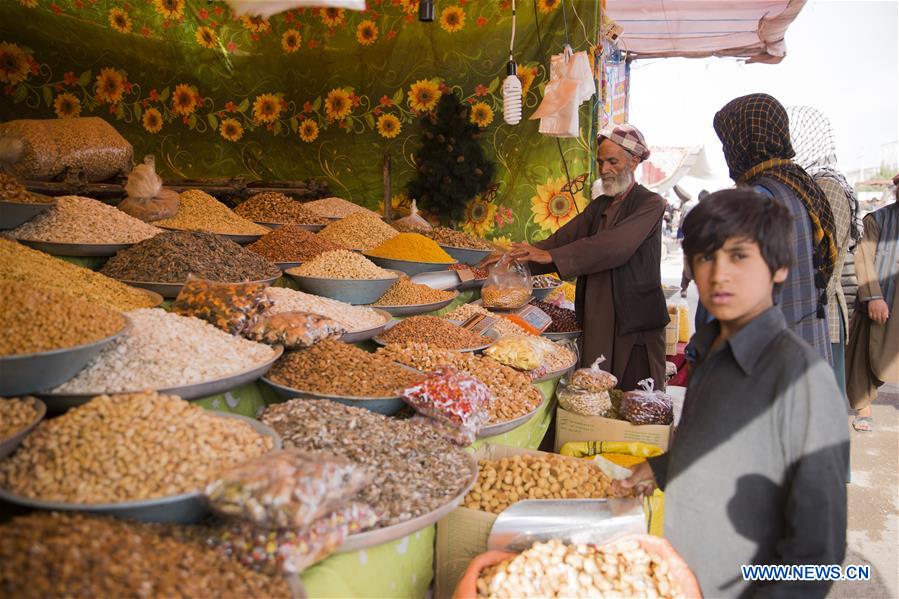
(618, 185)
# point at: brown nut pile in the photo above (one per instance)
(13, 191)
(334, 207)
(128, 447)
(564, 320)
(549, 476)
(359, 231)
(342, 264)
(275, 207)
(406, 293)
(435, 331)
(292, 243)
(20, 264)
(515, 396)
(16, 413)
(334, 368)
(47, 554)
(199, 211)
(75, 219)
(416, 470)
(34, 319)
(456, 239)
(553, 569)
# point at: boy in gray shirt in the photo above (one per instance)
(756, 473)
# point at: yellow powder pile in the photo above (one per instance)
(412, 247)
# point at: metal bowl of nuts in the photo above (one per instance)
(171, 290)
(11, 443)
(59, 402)
(492, 430)
(413, 309)
(350, 291)
(287, 265)
(373, 538)
(29, 373)
(312, 228)
(466, 255)
(382, 405)
(490, 334)
(562, 336)
(186, 508)
(13, 214)
(408, 266)
(78, 250)
(366, 334)
(543, 285)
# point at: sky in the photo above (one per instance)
(841, 58)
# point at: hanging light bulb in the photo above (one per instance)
(512, 84)
(512, 95)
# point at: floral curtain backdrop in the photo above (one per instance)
(312, 93)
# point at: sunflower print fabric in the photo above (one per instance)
(320, 93)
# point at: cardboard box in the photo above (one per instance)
(574, 427)
(463, 534)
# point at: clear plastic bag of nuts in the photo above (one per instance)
(286, 488)
(586, 392)
(593, 378)
(293, 330)
(459, 403)
(508, 284)
(228, 306)
(647, 406)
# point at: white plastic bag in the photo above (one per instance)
(146, 199)
(571, 83)
(413, 221)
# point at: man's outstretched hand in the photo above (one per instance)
(528, 253)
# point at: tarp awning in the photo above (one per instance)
(752, 29)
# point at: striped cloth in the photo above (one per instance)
(626, 136)
(798, 297)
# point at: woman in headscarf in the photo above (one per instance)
(872, 354)
(812, 138)
(754, 131)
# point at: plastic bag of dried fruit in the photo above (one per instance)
(593, 378)
(413, 221)
(47, 149)
(508, 284)
(286, 488)
(293, 330)
(585, 403)
(231, 307)
(290, 550)
(647, 406)
(455, 398)
(146, 199)
(522, 352)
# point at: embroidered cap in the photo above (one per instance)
(628, 137)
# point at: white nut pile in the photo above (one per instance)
(342, 264)
(353, 318)
(75, 219)
(128, 447)
(163, 350)
(334, 207)
(553, 569)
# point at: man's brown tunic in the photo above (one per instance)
(614, 248)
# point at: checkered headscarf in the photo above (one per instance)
(755, 133)
(813, 140)
(626, 136)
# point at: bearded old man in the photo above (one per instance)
(614, 248)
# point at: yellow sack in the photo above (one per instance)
(627, 454)
(684, 328)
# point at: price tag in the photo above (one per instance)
(535, 317)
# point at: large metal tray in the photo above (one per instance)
(418, 308)
(11, 443)
(312, 228)
(467, 255)
(488, 333)
(373, 538)
(350, 291)
(171, 290)
(366, 334)
(28, 373)
(499, 428)
(409, 267)
(78, 250)
(562, 336)
(57, 402)
(13, 214)
(556, 373)
(186, 508)
(382, 405)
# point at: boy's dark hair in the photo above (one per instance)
(741, 213)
